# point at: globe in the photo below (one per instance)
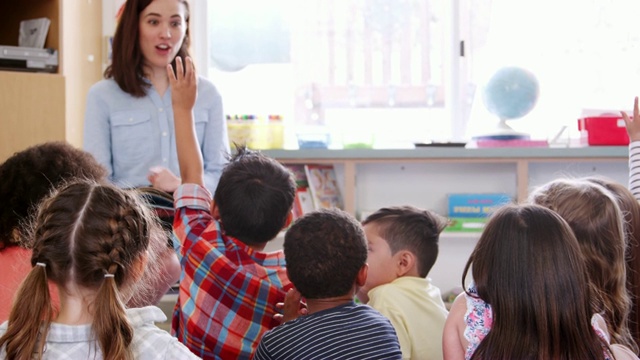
(511, 93)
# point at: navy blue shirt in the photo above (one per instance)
(350, 331)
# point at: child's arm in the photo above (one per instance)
(633, 124)
(633, 129)
(454, 344)
(183, 98)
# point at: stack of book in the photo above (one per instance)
(317, 187)
(468, 212)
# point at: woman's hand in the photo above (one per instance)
(163, 179)
(633, 124)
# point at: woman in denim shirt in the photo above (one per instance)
(129, 119)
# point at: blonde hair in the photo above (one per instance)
(83, 232)
(598, 223)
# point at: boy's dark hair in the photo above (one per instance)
(30, 175)
(325, 250)
(254, 196)
(412, 229)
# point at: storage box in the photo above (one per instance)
(603, 130)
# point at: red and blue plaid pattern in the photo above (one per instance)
(228, 291)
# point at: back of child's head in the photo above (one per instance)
(325, 250)
(86, 236)
(412, 229)
(527, 265)
(254, 196)
(29, 175)
(631, 211)
(598, 223)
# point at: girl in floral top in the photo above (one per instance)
(530, 298)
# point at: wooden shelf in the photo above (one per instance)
(519, 158)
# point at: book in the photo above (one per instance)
(302, 203)
(33, 32)
(323, 186)
(464, 205)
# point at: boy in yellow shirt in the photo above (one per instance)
(403, 246)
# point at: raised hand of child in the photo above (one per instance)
(184, 89)
(292, 308)
(633, 124)
(183, 84)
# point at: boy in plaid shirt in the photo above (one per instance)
(228, 286)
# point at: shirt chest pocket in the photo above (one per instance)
(201, 119)
(132, 134)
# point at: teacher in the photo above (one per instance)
(129, 119)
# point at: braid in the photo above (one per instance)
(91, 235)
(32, 305)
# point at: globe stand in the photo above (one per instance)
(502, 131)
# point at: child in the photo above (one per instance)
(326, 254)
(26, 178)
(530, 297)
(595, 218)
(91, 241)
(30, 175)
(228, 285)
(631, 210)
(403, 246)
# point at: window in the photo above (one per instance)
(409, 71)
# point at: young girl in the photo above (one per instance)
(631, 210)
(597, 222)
(91, 241)
(530, 298)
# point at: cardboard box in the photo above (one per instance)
(603, 130)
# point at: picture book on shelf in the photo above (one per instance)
(323, 186)
(303, 203)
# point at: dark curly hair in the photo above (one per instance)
(30, 175)
(324, 251)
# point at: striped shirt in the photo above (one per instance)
(634, 168)
(348, 331)
(70, 342)
(228, 291)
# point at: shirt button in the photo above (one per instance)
(164, 133)
(160, 109)
(130, 119)
(164, 159)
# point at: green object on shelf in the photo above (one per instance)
(466, 224)
(360, 145)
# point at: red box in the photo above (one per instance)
(603, 130)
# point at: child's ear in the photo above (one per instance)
(288, 221)
(362, 275)
(215, 212)
(406, 263)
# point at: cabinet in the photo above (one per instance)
(422, 177)
(38, 107)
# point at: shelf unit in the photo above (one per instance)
(38, 107)
(523, 162)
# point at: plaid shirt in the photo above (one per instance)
(228, 291)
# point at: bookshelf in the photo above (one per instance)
(423, 176)
(38, 107)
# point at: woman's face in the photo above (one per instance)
(162, 30)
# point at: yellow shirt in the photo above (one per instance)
(417, 312)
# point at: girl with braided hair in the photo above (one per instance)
(92, 241)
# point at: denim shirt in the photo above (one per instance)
(129, 135)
